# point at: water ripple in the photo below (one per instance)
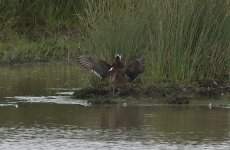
(49, 99)
(9, 105)
(73, 138)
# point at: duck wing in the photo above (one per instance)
(99, 67)
(135, 68)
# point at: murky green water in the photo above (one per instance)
(37, 112)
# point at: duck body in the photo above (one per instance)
(117, 71)
(117, 76)
(118, 80)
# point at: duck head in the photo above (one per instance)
(118, 61)
(118, 57)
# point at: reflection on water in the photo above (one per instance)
(37, 79)
(40, 116)
(70, 126)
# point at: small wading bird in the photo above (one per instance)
(116, 71)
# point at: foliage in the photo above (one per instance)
(47, 15)
(182, 41)
(19, 48)
(39, 30)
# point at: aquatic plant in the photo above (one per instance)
(187, 40)
(182, 41)
(114, 27)
(46, 15)
(39, 30)
(19, 49)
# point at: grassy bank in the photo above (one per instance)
(39, 30)
(182, 41)
(19, 48)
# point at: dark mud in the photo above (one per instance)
(171, 93)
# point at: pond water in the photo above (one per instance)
(38, 112)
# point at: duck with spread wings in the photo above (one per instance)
(116, 71)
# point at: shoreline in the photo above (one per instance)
(169, 94)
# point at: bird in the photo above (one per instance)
(117, 71)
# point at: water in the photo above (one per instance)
(38, 112)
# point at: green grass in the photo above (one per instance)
(39, 30)
(187, 40)
(115, 27)
(182, 41)
(49, 15)
(20, 49)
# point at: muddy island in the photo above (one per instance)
(169, 93)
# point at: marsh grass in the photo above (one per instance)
(187, 38)
(182, 41)
(39, 30)
(113, 27)
(19, 49)
(50, 15)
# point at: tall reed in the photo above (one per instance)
(114, 27)
(39, 29)
(187, 39)
(49, 15)
(182, 40)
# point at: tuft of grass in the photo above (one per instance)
(17, 48)
(39, 30)
(188, 40)
(48, 15)
(115, 27)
